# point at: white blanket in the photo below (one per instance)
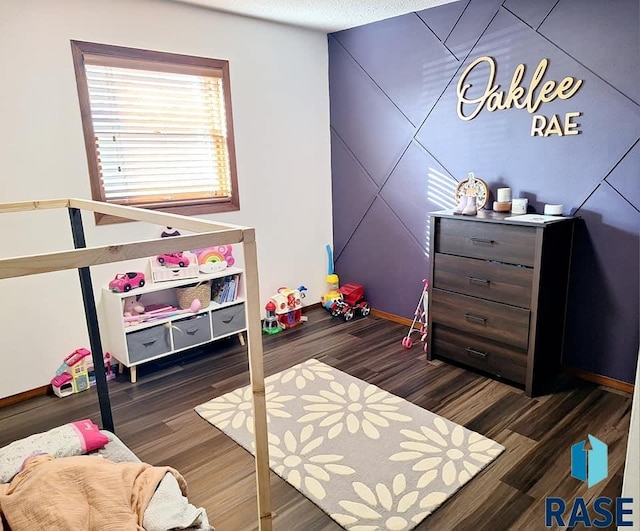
(169, 509)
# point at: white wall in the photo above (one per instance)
(281, 118)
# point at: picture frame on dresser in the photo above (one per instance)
(498, 295)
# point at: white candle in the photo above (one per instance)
(519, 206)
(553, 210)
(504, 195)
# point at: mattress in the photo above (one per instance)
(115, 450)
(168, 508)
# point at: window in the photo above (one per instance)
(158, 129)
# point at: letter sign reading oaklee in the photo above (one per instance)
(519, 97)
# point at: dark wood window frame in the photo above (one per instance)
(119, 56)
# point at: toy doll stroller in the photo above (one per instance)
(420, 320)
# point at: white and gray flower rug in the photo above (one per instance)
(369, 459)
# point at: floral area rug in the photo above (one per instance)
(369, 459)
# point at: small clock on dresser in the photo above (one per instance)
(473, 186)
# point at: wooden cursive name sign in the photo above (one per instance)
(520, 97)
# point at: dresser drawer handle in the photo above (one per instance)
(475, 318)
(482, 240)
(476, 353)
(479, 280)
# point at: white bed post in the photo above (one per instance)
(256, 370)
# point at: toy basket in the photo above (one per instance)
(200, 291)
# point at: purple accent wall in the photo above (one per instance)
(399, 148)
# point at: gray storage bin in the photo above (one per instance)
(148, 343)
(228, 320)
(191, 331)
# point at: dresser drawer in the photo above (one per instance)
(474, 351)
(512, 244)
(489, 280)
(493, 320)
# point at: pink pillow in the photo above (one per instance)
(89, 434)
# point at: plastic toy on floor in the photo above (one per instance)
(287, 307)
(72, 376)
(333, 282)
(270, 324)
(109, 369)
(72, 359)
(345, 301)
(77, 373)
(420, 320)
(350, 302)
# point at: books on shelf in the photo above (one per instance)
(225, 289)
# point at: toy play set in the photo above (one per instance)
(284, 310)
(76, 373)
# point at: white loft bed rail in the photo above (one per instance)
(207, 234)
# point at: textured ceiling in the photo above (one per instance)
(323, 15)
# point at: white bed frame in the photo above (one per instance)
(207, 234)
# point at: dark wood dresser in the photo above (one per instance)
(498, 294)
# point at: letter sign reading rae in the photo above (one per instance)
(520, 97)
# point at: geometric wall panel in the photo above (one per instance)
(602, 320)
(367, 121)
(625, 177)
(498, 145)
(386, 260)
(413, 84)
(443, 18)
(353, 191)
(533, 13)
(417, 186)
(597, 28)
(397, 174)
(469, 28)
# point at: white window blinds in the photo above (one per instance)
(161, 137)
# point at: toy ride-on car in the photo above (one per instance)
(127, 281)
(351, 301)
(170, 259)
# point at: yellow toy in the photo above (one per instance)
(333, 283)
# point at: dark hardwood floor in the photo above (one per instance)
(155, 418)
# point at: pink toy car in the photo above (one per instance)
(170, 259)
(127, 281)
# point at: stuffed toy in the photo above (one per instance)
(130, 308)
